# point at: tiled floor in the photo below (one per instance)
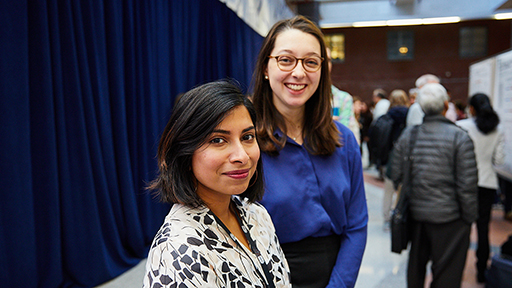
(380, 267)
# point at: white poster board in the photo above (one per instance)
(482, 77)
(503, 105)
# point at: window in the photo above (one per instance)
(472, 42)
(336, 42)
(400, 45)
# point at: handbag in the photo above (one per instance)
(400, 224)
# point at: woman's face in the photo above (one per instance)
(357, 107)
(364, 107)
(292, 89)
(224, 165)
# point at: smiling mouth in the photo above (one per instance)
(239, 174)
(296, 87)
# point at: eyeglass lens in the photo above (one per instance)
(288, 62)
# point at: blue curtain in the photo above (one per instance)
(86, 88)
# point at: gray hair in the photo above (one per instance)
(432, 97)
(427, 78)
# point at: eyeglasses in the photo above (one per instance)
(289, 62)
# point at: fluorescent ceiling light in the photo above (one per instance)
(501, 16)
(369, 23)
(336, 25)
(404, 22)
(441, 20)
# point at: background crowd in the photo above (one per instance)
(381, 126)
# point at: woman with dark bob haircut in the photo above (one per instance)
(488, 139)
(210, 170)
(314, 188)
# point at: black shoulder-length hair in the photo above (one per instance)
(486, 118)
(193, 119)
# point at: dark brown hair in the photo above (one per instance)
(193, 119)
(322, 136)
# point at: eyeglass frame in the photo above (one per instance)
(297, 62)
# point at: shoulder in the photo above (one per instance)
(187, 244)
(184, 215)
(462, 133)
(346, 134)
(342, 128)
(403, 109)
(253, 209)
(180, 236)
(445, 128)
(415, 107)
(336, 92)
(180, 223)
(406, 133)
(465, 123)
(340, 93)
(384, 122)
(398, 111)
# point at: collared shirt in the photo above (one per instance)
(191, 249)
(311, 195)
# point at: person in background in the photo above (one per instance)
(488, 139)
(415, 115)
(381, 106)
(215, 235)
(461, 110)
(342, 106)
(365, 119)
(413, 93)
(451, 114)
(313, 171)
(443, 198)
(379, 97)
(358, 103)
(399, 105)
(358, 106)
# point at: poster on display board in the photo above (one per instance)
(482, 77)
(503, 105)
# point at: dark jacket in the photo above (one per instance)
(384, 132)
(399, 115)
(444, 173)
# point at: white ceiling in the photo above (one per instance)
(339, 13)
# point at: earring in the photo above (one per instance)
(266, 77)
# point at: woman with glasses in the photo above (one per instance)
(312, 165)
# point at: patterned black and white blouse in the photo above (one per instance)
(191, 249)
